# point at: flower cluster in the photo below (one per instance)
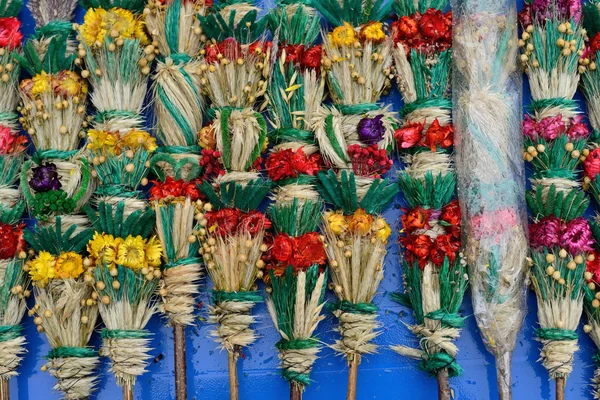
(206, 137)
(45, 267)
(300, 252)
(98, 24)
(211, 164)
(171, 188)
(549, 128)
(371, 130)
(370, 161)
(306, 58)
(232, 221)
(45, 178)
(10, 142)
(591, 165)
(431, 235)
(10, 34)
(539, 11)
(288, 163)
(346, 36)
(231, 49)
(65, 84)
(360, 223)
(11, 240)
(593, 267)
(575, 236)
(111, 143)
(133, 252)
(435, 136)
(429, 32)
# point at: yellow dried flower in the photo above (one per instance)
(101, 141)
(69, 265)
(41, 268)
(153, 252)
(41, 84)
(98, 23)
(372, 32)
(360, 222)
(383, 229)
(131, 253)
(343, 35)
(135, 139)
(337, 223)
(103, 248)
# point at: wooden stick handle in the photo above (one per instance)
(352, 377)
(180, 362)
(233, 379)
(443, 385)
(127, 392)
(295, 391)
(560, 388)
(4, 393)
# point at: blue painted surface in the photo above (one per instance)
(381, 376)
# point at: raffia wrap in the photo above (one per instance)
(129, 357)
(12, 342)
(76, 376)
(233, 320)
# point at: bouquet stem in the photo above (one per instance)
(560, 388)
(233, 378)
(180, 365)
(503, 378)
(295, 391)
(352, 377)
(4, 393)
(443, 385)
(127, 392)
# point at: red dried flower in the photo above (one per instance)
(438, 135)
(211, 164)
(451, 214)
(283, 249)
(253, 222)
(260, 47)
(311, 58)
(594, 266)
(293, 53)
(175, 188)
(228, 48)
(434, 24)
(448, 245)
(405, 28)
(308, 251)
(290, 163)
(409, 135)
(418, 247)
(591, 165)
(369, 161)
(10, 35)
(223, 222)
(11, 240)
(417, 218)
(595, 44)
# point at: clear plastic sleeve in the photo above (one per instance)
(491, 179)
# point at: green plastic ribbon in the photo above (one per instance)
(447, 319)
(219, 296)
(8, 116)
(555, 334)
(179, 149)
(302, 378)
(70, 352)
(332, 138)
(50, 154)
(182, 261)
(179, 119)
(433, 363)
(355, 308)
(559, 102)
(9, 332)
(120, 191)
(301, 179)
(354, 109)
(125, 333)
(58, 27)
(426, 103)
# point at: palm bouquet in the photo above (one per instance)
(296, 277)
(555, 138)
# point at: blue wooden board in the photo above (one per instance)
(382, 376)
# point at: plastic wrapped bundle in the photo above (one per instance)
(487, 119)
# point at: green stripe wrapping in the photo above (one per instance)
(537, 105)
(8, 116)
(9, 332)
(57, 27)
(262, 139)
(447, 319)
(116, 190)
(219, 296)
(181, 122)
(69, 352)
(302, 378)
(291, 134)
(425, 103)
(182, 261)
(125, 334)
(555, 334)
(301, 179)
(353, 109)
(179, 149)
(332, 139)
(225, 112)
(433, 363)
(42, 155)
(355, 308)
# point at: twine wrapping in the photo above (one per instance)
(74, 368)
(358, 326)
(559, 346)
(231, 312)
(297, 358)
(180, 281)
(128, 352)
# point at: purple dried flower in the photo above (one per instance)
(576, 236)
(562, 10)
(45, 178)
(371, 130)
(545, 233)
